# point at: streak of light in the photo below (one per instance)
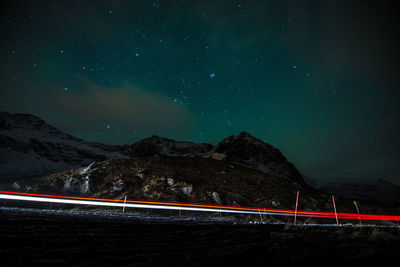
(188, 206)
(126, 205)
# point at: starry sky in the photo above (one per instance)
(317, 79)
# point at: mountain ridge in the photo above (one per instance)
(42, 149)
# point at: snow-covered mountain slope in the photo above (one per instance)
(29, 147)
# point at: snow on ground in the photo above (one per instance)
(82, 172)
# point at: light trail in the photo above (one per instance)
(189, 206)
(113, 203)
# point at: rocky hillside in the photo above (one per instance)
(251, 152)
(187, 179)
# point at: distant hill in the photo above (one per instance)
(377, 191)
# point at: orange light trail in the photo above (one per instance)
(189, 206)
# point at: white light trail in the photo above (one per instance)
(129, 205)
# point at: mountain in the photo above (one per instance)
(29, 147)
(251, 152)
(377, 191)
(243, 149)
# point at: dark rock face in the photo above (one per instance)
(251, 152)
(6, 142)
(164, 146)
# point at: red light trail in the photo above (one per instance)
(190, 206)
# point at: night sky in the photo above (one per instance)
(317, 79)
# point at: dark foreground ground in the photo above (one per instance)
(29, 237)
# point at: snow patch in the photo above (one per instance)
(275, 204)
(69, 183)
(85, 188)
(215, 197)
(75, 185)
(117, 188)
(82, 172)
(187, 190)
(170, 181)
(218, 156)
(16, 186)
(141, 176)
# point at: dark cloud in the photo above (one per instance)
(127, 107)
